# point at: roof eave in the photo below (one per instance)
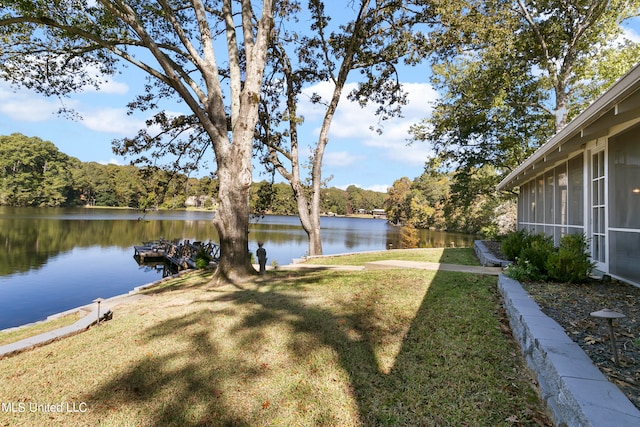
(620, 90)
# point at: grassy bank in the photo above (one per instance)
(331, 348)
(464, 256)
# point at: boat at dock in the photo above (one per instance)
(179, 255)
(149, 251)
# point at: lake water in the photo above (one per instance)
(56, 259)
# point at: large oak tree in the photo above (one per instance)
(511, 73)
(209, 54)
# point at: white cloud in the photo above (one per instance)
(113, 87)
(107, 83)
(111, 161)
(351, 119)
(400, 150)
(25, 106)
(340, 158)
(631, 34)
(112, 120)
(380, 188)
(22, 105)
(352, 122)
(312, 111)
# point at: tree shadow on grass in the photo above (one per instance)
(269, 355)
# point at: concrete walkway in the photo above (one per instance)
(381, 265)
(90, 319)
(394, 264)
(81, 325)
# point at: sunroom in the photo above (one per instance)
(586, 179)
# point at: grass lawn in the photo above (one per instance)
(464, 256)
(388, 347)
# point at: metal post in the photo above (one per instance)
(98, 300)
(609, 315)
(614, 348)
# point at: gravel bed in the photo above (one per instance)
(571, 306)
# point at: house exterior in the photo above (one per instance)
(586, 179)
(379, 213)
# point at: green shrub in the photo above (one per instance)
(490, 232)
(536, 251)
(570, 263)
(537, 259)
(523, 272)
(202, 259)
(513, 244)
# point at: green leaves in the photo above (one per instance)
(511, 72)
(33, 172)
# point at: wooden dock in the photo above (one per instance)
(149, 252)
(178, 255)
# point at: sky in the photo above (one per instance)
(355, 155)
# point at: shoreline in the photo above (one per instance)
(85, 309)
(88, 308)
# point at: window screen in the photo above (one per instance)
(548, 198)
(576, 191)
(560, 174)
(624, 184)
(540, 200)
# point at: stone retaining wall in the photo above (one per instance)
(486, 257)
(573, 388)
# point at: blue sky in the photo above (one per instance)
(355, 154)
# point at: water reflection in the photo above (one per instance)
(57, 259)
(32, 236)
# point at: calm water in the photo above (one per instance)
(57, 259)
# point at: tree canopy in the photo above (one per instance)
(33, 172)
(512, 73)
(210, 55)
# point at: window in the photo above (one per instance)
(575, 191)
(624, 185)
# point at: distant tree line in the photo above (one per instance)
(35, 173)
(278, 198)
(445, 201)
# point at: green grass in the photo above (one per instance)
(464, 256)
(332, 348)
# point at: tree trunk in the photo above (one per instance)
(232, 224)
(234, 160)
(315, 242)
(309, 219)
(311, 225)
(562, 108)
